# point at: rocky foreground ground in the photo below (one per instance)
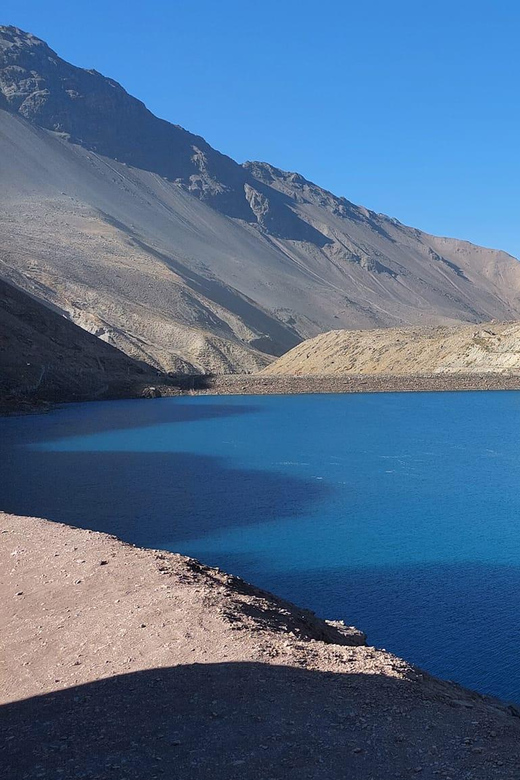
(120, 662)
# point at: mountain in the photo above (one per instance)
(141, 232)
(45, 357)
(468, 349)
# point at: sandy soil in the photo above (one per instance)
(119, 662)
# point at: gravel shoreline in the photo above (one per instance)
(237, 384)
(257, 384)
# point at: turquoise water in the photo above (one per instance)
(399, 513)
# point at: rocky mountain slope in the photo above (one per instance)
(491, 348)
(176, 254)
(45, 357)
(115, 660)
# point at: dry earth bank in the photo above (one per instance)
(243, 384)
(261, 384)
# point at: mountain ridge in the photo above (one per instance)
(187, 259)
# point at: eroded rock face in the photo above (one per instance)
(151, 392)
(98, 113)
(258, 203)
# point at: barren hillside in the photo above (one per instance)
(465, 349)
(143, 233)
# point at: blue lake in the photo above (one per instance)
(399, 513)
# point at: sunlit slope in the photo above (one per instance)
(489, 348)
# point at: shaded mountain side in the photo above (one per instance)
(99, 114)
(44, 357)
(491, 348)
(186, 259)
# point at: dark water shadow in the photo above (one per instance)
(459, 620)
(245, 721)
(105, 416)
(149, 498)
(146, 498)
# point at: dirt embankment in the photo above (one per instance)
(244, 384)
(261, 384)
(119, 662)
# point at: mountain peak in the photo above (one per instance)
(14, 36)
(98, 113)
(38, 84)
(264, 171)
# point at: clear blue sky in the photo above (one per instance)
(409, 107)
